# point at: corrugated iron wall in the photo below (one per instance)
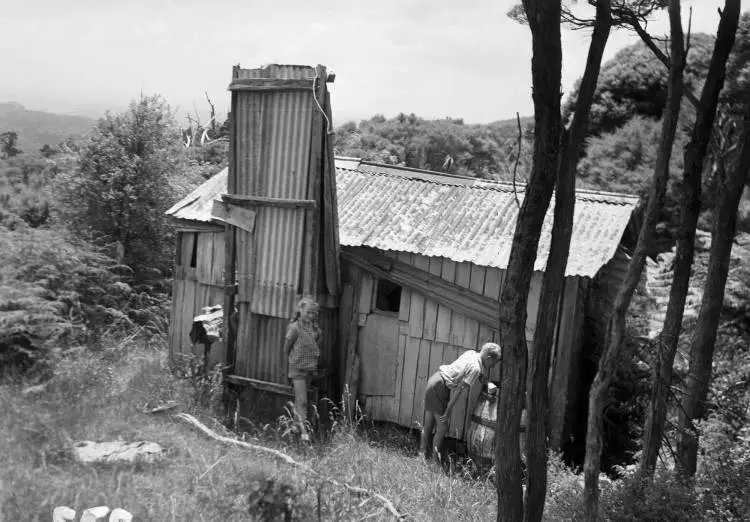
(272, 148)
(260, 350)
(272, 154)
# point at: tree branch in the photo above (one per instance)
(632, 21)
(356, 490)
(518, 157)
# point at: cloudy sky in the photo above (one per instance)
(437, 58)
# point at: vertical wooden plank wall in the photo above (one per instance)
(195, 288)
(431, 335)
(493, 284)
(566, 364)
(178, 286)
(409, 313)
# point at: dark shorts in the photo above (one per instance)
(296, 373)
(436, 395)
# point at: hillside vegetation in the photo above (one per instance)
(85, 268)
(449, 145)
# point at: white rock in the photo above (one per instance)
(95, 513)
(63, 513)
(120, 515)
(88, 452)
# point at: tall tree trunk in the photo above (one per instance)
(537, 396)
(546, 65)
(611, 355)
(695, 154)
(729, 189)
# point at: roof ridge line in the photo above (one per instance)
(497, 183)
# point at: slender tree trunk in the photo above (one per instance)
(546, 65)
(702, 349)
(537, 397)
(695, 154)
(611, 355)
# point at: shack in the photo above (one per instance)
(422, 266)
(268, 225)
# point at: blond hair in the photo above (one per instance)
(306, 302)
(493, 349)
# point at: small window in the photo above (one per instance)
(388, 298)
(178, 246)
(194, 255)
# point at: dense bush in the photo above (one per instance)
(63, 292)
(664, 499)
(26, 192)
(447, 145)
(120, 191)
(724, 477)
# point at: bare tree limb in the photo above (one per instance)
(540, 432)
(518, 157)
(213, 112)
(546, 64)
(356, 490)
(694, 158)
(647, 39)
(613, 351)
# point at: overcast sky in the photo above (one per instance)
(437, 58)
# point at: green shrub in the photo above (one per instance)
(723, 478)
(120, 190)
(206, 384)
(25, 193)
(64, 292)
(564, 500)
(665, 499)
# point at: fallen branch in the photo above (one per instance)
(289, 460)
(169, 405)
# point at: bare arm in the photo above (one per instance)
(291, 337)
(454, 398)
(288, 344)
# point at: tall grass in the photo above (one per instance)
(104, 395)
(101, 396)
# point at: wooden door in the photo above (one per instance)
(378, 348)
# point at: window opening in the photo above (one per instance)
(388, 298)
(178, 254)
(194, 255)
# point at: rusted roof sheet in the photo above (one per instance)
(196, 206)
(459, 218)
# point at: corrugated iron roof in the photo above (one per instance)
(197, 205)
(439, 215)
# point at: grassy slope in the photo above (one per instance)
(101, 396)
(37, 128)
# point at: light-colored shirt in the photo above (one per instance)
(467, 368)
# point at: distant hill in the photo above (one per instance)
(37, 128)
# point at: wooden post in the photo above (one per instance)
(351, 374)
(330, 212)
(229, 239)
(310, 283)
